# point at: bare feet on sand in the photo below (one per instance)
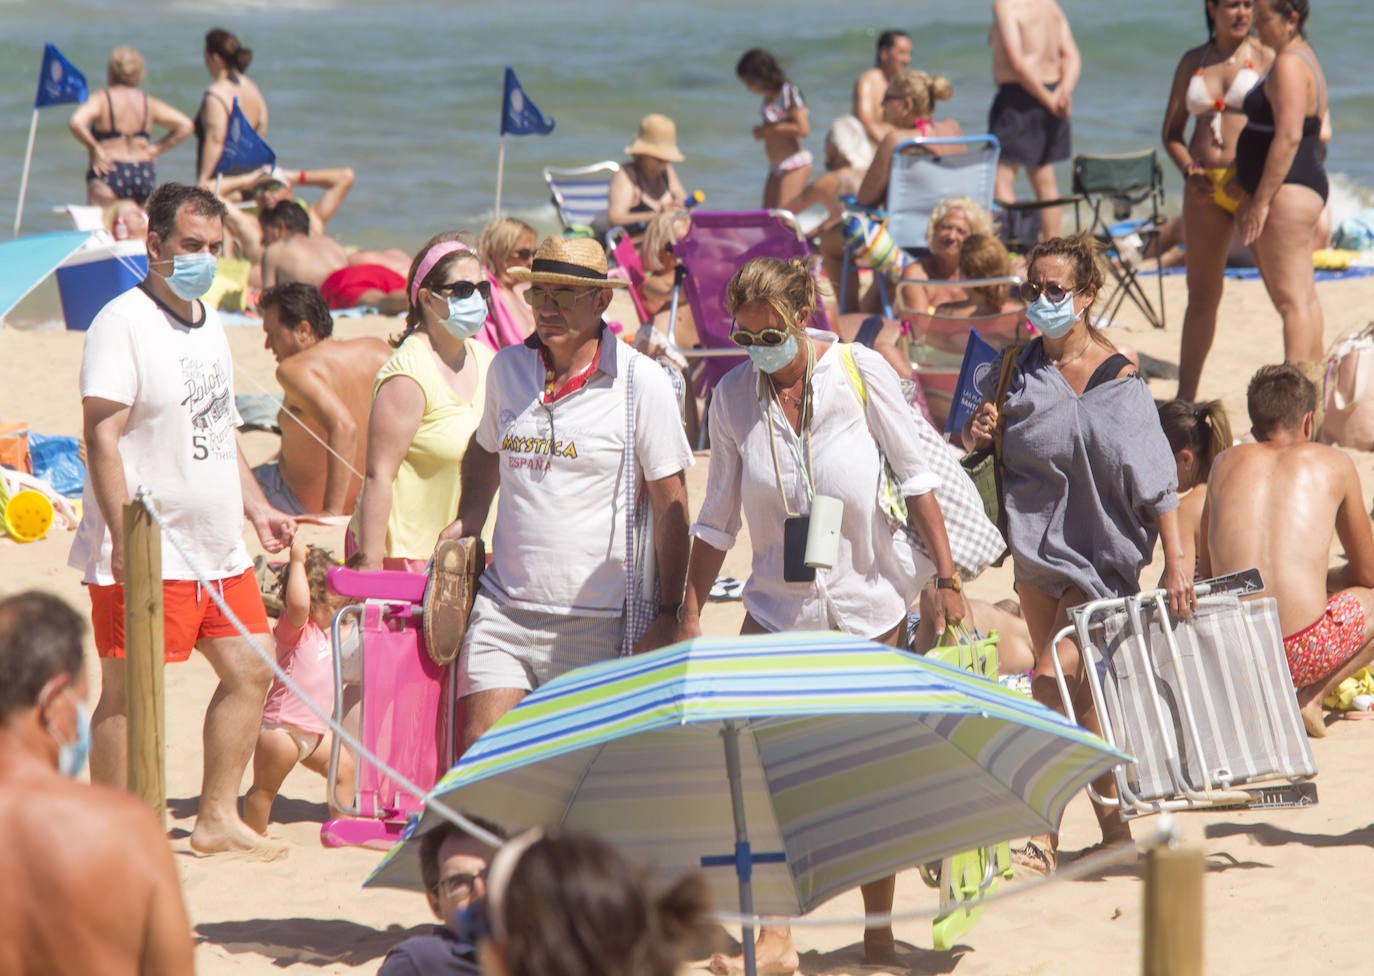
(236, 838)
(1312, 719)
(880, 948)
(774, 954)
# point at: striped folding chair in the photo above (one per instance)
(579, 194)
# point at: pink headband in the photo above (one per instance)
(433, 257)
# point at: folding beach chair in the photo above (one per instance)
(1111, 187)
(919, 180)
(406, 708)
(579, 194)
(1204, 705)
(716, 246)
(626, 257)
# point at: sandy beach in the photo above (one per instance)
(1282, 888)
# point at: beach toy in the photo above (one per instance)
(872, 246)
(28, 515)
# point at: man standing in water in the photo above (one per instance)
(1036, 65)
(894, 54)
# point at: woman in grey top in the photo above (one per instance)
(1088, 477)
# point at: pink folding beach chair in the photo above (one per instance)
(712, 250)
(626, 258)
(406, 710)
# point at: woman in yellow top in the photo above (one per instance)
(425, 407)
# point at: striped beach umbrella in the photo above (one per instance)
(814, 761)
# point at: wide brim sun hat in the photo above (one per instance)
(657, 137)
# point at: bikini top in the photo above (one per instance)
(1260, 113)
(1198, 100)
(105, 135)
(777, 108)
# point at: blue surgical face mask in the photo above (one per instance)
(71, 756)
(192, 275)
(1053, 319)
(466, 316)
(770, 359)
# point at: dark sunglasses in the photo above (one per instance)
(564, 298)
(523, 254)
(768, 337)
(1030, 291)
(463, 289)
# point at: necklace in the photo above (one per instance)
(788, 397)
(1061, 363)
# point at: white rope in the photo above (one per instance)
(1167, 832)
(239, 371)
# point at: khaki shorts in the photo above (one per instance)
(506, 647)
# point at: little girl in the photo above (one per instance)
(1197, 433)
(290, 732)
(785, 124)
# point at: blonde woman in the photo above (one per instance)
(506, 243)
(908, 107)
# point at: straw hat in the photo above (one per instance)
(568, 261)
(657, 137)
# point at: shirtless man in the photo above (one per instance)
(1275, 504)
(292, 253)
(90, 886)
(1036, 65)
(894, 54)
(269, 186)
(327, 393)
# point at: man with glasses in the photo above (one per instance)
(567, 412)
(454, 869)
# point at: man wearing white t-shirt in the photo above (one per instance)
(157, 403)
(553, 438)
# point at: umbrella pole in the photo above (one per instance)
(744, 865)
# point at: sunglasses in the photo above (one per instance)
(523, 254)
(463, 289)
(768, 337)
(564, 298)
(1030, 291)
(458, 885)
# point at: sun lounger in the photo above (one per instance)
(1204, 705)
(406, 710)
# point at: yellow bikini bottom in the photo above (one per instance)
(1220, 177)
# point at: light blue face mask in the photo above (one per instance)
(466, 316)
(71, 756)
(192, 275)
(770, 359)
(1053, 319)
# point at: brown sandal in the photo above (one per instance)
(449, 594)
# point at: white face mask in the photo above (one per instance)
(466, 316)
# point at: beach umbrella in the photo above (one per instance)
(809, 763)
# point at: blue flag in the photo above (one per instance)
(59, 81)
(519, 116)
(979, 357)
(244, 149)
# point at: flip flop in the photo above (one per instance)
(1035, 858)
(726, 588)
(449, 595)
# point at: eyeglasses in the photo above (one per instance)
(458, 885)
(523, 254)
(768, 337)
(1030, 291)
(463, 289)
(564, 298)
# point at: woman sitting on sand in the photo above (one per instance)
(226, 60)
(506, 243)
(647, 184)
(425, 407)
(115, 125)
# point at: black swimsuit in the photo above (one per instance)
(128, 181)
(1252, 148)
(200, 127)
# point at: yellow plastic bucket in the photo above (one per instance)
(28, 515)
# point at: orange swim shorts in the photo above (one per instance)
(188, 614)
(1316, 652)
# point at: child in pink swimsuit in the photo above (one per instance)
(785, 124)
(291, 733)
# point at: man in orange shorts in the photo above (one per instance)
(1275, 505)
(158, 409)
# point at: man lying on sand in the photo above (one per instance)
(1275, 504)
(293, 253)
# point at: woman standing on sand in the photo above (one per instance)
(226, 60)
(1209, 85)
(786, 123)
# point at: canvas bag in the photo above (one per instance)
(1348, 392)
(984, 465)
(974, 542)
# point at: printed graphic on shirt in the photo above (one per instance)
(211, 412)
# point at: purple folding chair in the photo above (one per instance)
(406, 714)
(716, 246)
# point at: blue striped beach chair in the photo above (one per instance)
(579, 194)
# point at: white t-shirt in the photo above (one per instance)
(179, 440)
(559, 541)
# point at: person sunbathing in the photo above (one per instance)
(346, 280)
(1275, 505)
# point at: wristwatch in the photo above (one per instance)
(950, 583)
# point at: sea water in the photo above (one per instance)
(408, 93)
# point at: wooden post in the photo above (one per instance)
(1173, 912)
(143, 645)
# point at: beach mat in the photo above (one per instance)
(27, 261)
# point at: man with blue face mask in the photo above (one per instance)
(157, 403)
(90, 883)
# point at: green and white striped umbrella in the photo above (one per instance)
(833, 761)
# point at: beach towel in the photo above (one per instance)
(502, 329)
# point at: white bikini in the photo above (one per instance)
(1198, 98)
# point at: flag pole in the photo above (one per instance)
(24, 179)
(500, 170)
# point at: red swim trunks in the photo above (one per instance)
(1315, 652)
(345, 287)
(188, 614)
